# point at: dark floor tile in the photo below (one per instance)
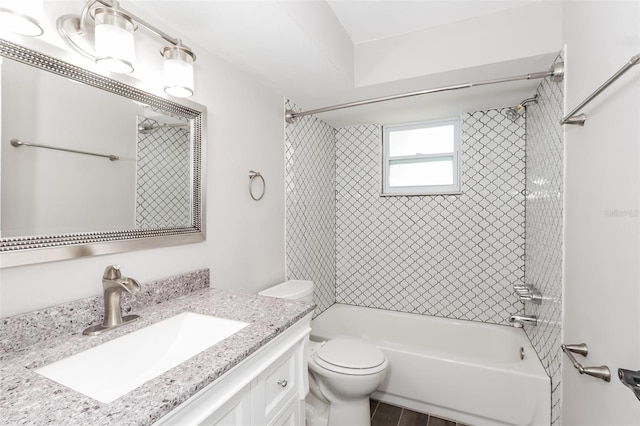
(412, 418)
(372, 407)
(437, 421)
(386, 415)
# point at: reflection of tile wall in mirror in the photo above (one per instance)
(162, 186)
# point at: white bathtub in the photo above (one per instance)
(465, 371)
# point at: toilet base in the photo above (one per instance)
(352, 412)
(348, 413)
(316, 411)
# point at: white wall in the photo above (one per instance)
(602, 231)
(245, 239)
(514, 33)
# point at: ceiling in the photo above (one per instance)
(316, 52)
(366, 21)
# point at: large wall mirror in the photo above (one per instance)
(90, 165)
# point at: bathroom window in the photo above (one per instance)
(421, 158)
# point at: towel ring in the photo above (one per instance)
(252, 176)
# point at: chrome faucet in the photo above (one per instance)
(114, 284)
(520, 320)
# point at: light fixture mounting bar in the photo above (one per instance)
(141, 22)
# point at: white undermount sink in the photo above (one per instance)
(117, 367)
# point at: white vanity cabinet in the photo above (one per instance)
(267, 388)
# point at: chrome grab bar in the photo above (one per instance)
(601, 372)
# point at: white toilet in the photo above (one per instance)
(342, 372)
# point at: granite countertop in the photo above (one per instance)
(29, 398)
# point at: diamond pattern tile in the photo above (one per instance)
(162, 186)
(448, 255)
(543, 266)
(452, 256)
(310, 182)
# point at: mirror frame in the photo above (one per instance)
(17, 251)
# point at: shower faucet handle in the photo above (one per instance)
(528, 293)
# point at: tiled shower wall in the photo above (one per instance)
(310, 181)
(453, 256)
(545, 158)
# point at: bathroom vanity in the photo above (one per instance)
(255, 376)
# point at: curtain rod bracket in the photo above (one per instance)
(577, 120)
(289, 116)
(557, 72)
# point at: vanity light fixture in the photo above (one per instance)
(114, 42)
(178, 70)
(104, 32)
(22, 17)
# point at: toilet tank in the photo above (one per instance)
(293, 289)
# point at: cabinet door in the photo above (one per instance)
(291, 416)
(278, 385)
(235, 412)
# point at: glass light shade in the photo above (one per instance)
(22, 17)
(114, 41)
(178, 71)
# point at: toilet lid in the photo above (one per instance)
(349, 353)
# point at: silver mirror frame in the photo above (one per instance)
(38, 249)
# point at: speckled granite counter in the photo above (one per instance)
(28, 398)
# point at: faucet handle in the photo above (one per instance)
(112, 272)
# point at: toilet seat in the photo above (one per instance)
(350, 356)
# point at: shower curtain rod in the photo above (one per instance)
(18, 143)
(556, 73)
(572, 118)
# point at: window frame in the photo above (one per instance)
(453, 189)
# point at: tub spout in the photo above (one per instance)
(521, 320)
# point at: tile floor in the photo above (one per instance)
(383, 414)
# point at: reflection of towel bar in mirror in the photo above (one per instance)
(18, 143)
(148, 128)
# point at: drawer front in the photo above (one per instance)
(279, 384)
